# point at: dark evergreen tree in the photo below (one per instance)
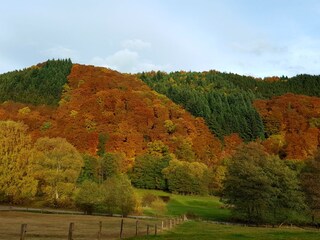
(224, 100)
(41, 84)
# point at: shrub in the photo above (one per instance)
(159, 207)
(148, 199)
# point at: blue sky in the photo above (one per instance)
(251, 37)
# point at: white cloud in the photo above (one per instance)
(122, 60)
(136, 44)
(131, 58)
(60, 52)
(266, 58)
(126, 60)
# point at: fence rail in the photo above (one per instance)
(140, 228)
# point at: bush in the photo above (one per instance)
(119, 195)
(159, 207)
(187, 178)
(88, 197)
(148, 199)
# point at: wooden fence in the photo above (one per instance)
(141, 228)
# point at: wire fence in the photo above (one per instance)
(31, 226)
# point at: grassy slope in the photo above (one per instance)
(205, 207)
(51, 226)
(208, 231)
(210, 208)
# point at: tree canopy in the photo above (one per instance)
(262, 188)
(224, 100)
(57, 168)
(16, 172)
(40, 84)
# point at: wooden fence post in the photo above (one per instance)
(162, 225)
(147, 230)
(71, 229)
(137, 227)
(23, 231)
(121, 228)
(170, 223)
(100, 230)
(155, 229)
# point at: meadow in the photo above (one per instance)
(204, 207)
(207, 231)
(210, 209)
(202, 211)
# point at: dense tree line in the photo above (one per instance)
(52, 173)
(158, 168)
(40, 84)
(97, 100)
(156, 143)
(224, 100)
(262, 188)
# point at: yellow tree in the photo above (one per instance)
(16, 177)
(57, 167)
(186, 177)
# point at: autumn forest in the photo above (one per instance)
(75, 136)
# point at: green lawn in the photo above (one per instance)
(210, 208)
(202, 231)
(205, 207)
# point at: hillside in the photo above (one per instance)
(101, 101)
(250, 107)
(292, 125)
(79, 103)
(40, 84)
(83, 136)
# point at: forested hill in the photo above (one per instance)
(225, 100)
(40, 84)
(81, 103)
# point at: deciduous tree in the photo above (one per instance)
(89, 196)
(57, 165)
(119, 195)
(17, 181)
(187, 178)
(261, 188)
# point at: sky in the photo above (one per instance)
(251, 37)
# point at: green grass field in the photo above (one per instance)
(210, 208)
(205, 207)
(53, 226)
(208, 231)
